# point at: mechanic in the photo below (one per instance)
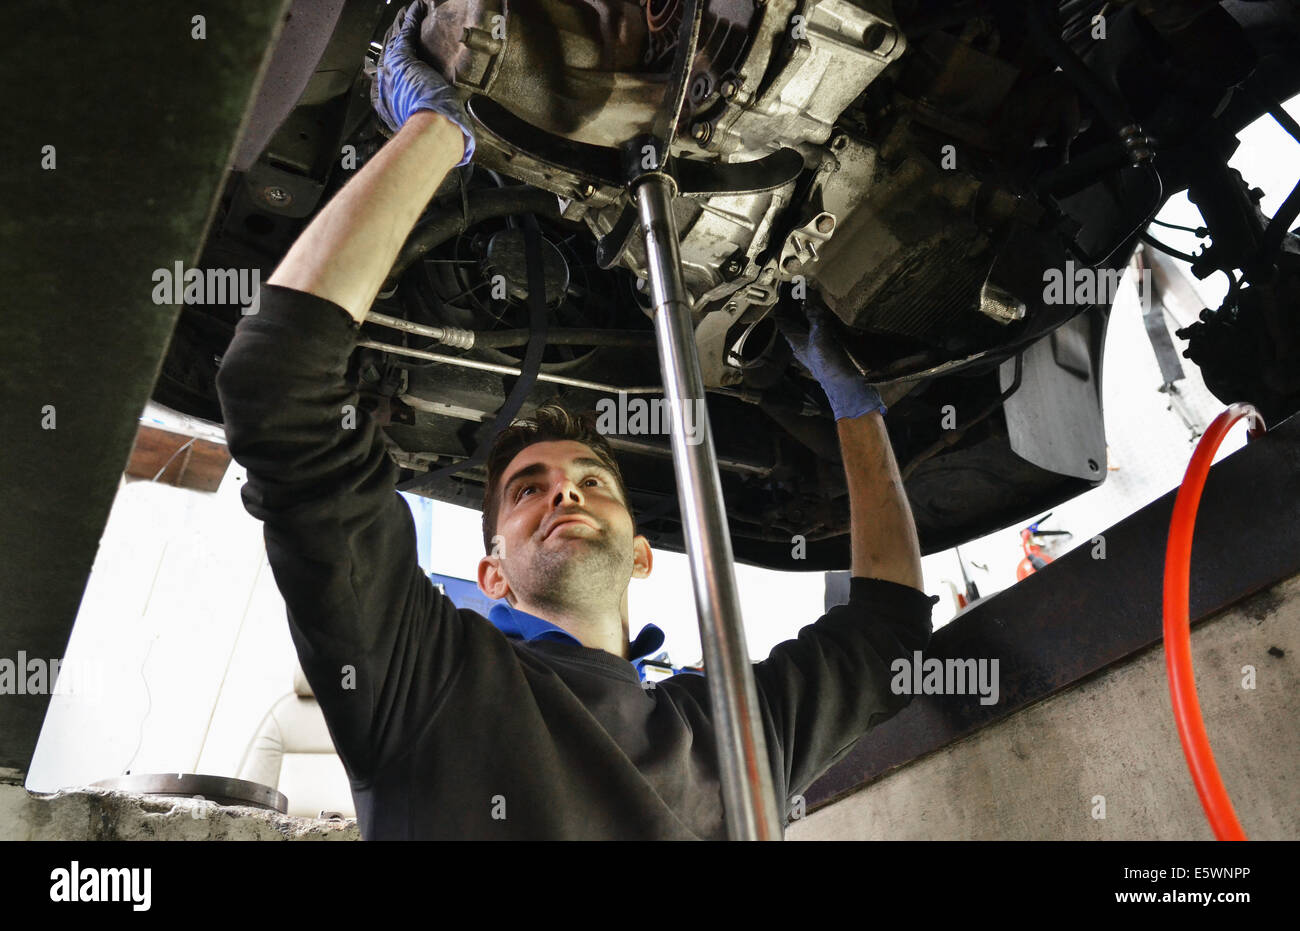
(535, 724)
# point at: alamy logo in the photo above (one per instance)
(640, 416)
(36, 676)
(104, 884)
(1082, 285)
(945, 677)
(181, 285)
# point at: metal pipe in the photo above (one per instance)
(506, 369)
(459, 338)
(740, 394)
(744, 766)
(451, 336)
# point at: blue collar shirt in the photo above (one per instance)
(520, 625)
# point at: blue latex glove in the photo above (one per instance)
(404, 83)
(816, 348)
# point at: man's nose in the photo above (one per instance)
(567, 492)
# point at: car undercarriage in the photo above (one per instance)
(921, 170)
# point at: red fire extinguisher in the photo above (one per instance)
(1036, 557)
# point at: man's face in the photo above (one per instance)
(564, 536)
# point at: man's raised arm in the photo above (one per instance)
(823, 690)
(883, 534)
(376, 641)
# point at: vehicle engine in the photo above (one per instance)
(779, 189)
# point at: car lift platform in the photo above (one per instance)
(1080, 616)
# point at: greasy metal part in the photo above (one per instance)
(744, 765)
(716, 368)
(451, 336)
(898, 219)
(555, 113)
(1000, 305)
(802, 244)
(834, 52)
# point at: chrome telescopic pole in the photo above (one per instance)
(744, 766)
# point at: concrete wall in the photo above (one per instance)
(1035, 775)
(96, 814)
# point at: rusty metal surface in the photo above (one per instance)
(1081, 615)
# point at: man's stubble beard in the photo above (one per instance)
(586, 572)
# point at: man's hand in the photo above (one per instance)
(847, 390)
(405, 84)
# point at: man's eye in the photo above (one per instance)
(596, 480)
(523, 491)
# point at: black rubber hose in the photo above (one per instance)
(1083, 170)
(482, 205)
(1166, 249)
(1045, 28)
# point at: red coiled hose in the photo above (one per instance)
(1178, 643)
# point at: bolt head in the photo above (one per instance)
(730, 89)
(825, 223)
(277, 196)
(701, 87)
(792, 264)
(700, 131)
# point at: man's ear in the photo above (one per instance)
(491, 580)
(642, 557)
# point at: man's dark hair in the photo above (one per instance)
(549, 422)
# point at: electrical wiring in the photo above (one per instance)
(1167, 250)
(1199, 231)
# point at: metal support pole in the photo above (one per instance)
(743, 763)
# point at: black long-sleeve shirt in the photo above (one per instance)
(447, 728)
